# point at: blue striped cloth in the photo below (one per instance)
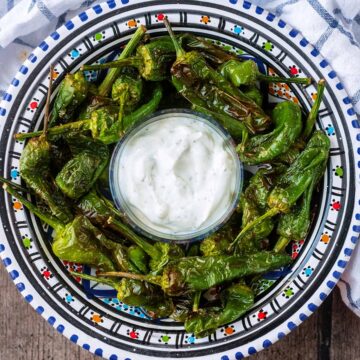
(332, 26)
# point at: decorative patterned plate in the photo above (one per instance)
(91, 316)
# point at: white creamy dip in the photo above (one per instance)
(177, 176)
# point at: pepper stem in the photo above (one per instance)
(252, 224)
(179, 50)
(130, 235)
(281, 244)
(132, 61)
(111, 76)
(279, 79)
(48, 99)
(15, 186)
(311, 119)
(196, 303)
(56, 130)
(153, 279)
(54, 223)
(109, 282)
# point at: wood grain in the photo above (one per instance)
(331, 333)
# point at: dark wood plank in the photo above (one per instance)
(345, 340)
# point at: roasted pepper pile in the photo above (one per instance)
(65, 169)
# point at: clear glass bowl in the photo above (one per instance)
(137, 223)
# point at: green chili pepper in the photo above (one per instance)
(213, 53)
(104, 124)
(160, 253)
(295, 224)
(153, 60)
(77, 241)
(218, 242)
(236, 300)
(73, 91)
(138, 257)
(35, 170)
(253, 239)
(78, 175)
(266, 147)
(112, 75)
(247, 73)
(253, 93)
(137, 293)
(96, 102)
(294, 182)
(261, 184)
(290, 156)
(201, 273)
(236, 128)
(192, 72)
(127, 90)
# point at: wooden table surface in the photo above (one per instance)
(333, 332)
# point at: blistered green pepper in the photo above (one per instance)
(112, 75)
(153, 60)
(77, 241)
(247, 73)
(235, 301)
(190, 72)
(291, 185)
(73, 91)
(262, 148)
(80, 173)
(201, 273)
(35, 170)
(104, 124)
(137, 293)
(138, 257)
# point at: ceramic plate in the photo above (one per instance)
(90, 315)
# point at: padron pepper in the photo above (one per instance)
(35, 169)
(137, 293)
(254, 94)
(153, 60)
(103, 214)
(73, 91)
(212, 53)
(253, 204)
(247, 73)
(235, 301)
(78, 240)
(201, 273)
(160, 253)
(262, 148)
(190, 72)
(126, 91)
(104, 124)
(106, 85)
(295, 224)
(35, 163)
(292, 184)
(80, 173)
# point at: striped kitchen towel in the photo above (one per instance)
(332, 26)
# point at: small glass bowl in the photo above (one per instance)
(120, 200)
